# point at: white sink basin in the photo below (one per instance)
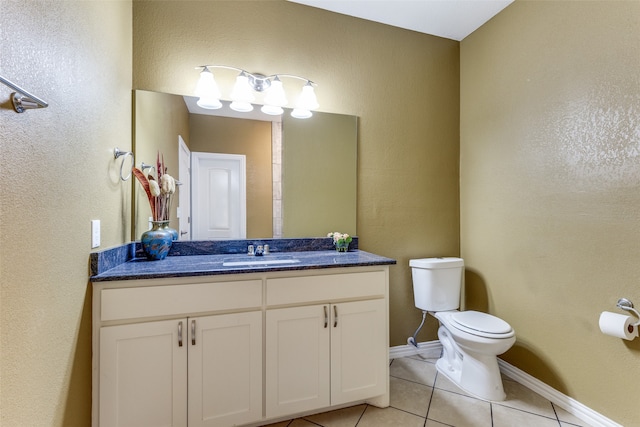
(259, 262)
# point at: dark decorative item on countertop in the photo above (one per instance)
(340, 240)
(157, 241)
(173, 231)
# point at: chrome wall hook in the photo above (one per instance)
(118, 152)
(627, 305)
(144, 166)
(624, 304)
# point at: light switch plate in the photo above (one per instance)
(95, 233)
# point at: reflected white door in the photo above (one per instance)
(184, 192)
(218, 196)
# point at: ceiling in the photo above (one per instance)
(451, 19)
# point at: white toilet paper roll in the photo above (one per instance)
(618, 325)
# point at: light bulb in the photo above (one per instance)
(209, 103)
(307, 99)
(242, 92)
(300, 113)
(272, 110)
(275, 94)
(207, 90)
(241, 106)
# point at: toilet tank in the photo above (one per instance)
(437, 283)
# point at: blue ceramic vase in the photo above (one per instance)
(157, 241)
(173, 231)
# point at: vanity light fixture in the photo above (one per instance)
(246, 84)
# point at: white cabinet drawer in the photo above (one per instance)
(330, 287)
(130, 303)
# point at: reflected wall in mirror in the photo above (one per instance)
(300, 174)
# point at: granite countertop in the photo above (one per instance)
(205, 259)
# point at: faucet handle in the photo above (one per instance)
(250, 250)
(266, 249)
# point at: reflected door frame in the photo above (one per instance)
(184, 193)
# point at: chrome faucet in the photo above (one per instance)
(258, 250)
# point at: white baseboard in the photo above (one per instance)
(430, 347)
(557, 398)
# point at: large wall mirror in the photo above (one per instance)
(299, 175)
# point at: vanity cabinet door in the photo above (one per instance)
(323, 355)
(225, 369)
(143, 374)
(297, 359)
(359, 351)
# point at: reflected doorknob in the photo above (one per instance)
(182, 233)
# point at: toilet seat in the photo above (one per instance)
(481, 324)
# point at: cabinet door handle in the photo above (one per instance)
(335, 316)
(193, 332)
(326, 317)
(179, 334)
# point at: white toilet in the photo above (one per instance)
(471, 340)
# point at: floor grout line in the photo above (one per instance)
(433, 388)
(366, 406)
(491, 412)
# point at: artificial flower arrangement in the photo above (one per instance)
(340, 237)
(340, 240)
(159, 191)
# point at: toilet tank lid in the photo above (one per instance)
(432, 263)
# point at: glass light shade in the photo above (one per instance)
(242, 91)
(275, 94)
(300, 113)
(272, 110)
(241, 106)
(207, 90)
(209, 103)
(307, 99)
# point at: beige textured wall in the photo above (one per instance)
(58, 173)
(403, 86)
(213, 134)
(159, 119)
(550, 189)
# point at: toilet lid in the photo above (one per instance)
(480, 323)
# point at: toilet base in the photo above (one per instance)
(476, 374)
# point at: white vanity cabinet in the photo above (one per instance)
(189, 370)
(143, 375)
(225, 370)
(325, 354)
(240, 349)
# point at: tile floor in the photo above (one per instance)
(421, 397)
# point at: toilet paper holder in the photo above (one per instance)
(627, 305)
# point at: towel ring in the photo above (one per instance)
(118, 153)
